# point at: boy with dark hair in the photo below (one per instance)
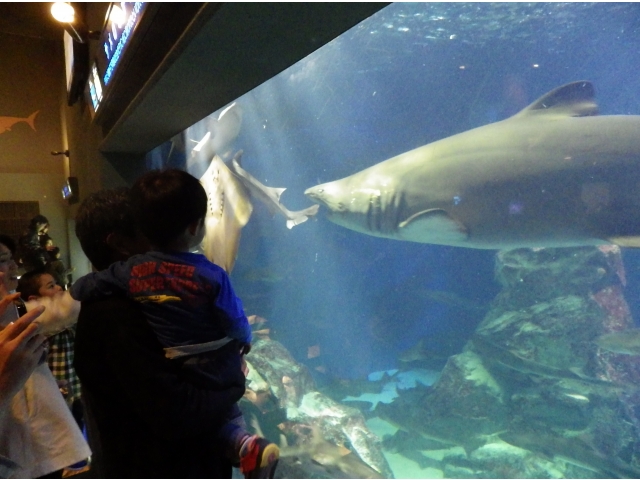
(188, 301)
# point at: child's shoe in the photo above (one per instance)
(258, 458)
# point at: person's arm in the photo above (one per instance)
(105, 283)
(152, 385)
(21, 350)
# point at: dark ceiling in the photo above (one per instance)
(29, 19)
(238, 47)
(252, 41)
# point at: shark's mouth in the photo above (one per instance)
(316, 195)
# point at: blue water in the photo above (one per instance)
(409, 75)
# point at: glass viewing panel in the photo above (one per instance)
(450, 313)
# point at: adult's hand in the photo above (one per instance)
(61, 312)
(21, 350)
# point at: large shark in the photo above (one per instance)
(555, 174)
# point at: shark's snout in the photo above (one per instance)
(330, 195)
(317, 194)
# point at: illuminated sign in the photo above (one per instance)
(95, 87)
(123, 18)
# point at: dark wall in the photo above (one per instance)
(31, 74)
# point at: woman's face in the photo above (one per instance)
(9, 268)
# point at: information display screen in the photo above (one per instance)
(120, 25)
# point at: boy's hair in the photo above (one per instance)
(100, 214)
(29, 283)
(38, 220)
(166, 202)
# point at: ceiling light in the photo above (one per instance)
(117, 15)
(63, 12)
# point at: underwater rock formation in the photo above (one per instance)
(532, 395)
(341, 442)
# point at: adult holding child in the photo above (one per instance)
(146, 418)
(32, 254)
(188, 302)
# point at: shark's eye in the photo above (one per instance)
(320, 190)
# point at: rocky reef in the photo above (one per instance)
(532, 395)
(320, 438)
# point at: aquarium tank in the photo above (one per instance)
(449, 285)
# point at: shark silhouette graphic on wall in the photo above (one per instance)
(6, 123)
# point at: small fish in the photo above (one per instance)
(263, 333)
(270, 196)
(419, 353)
(578, 397)
(256, 320)
(625, 342)
(313, 351)
(7, 122)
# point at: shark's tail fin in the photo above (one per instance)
(31, 119)
(301, 216)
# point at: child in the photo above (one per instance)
(188, 301)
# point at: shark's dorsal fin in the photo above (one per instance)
(434, 224)
(576, 99)
(277, 191)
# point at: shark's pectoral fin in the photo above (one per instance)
(433, 226)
